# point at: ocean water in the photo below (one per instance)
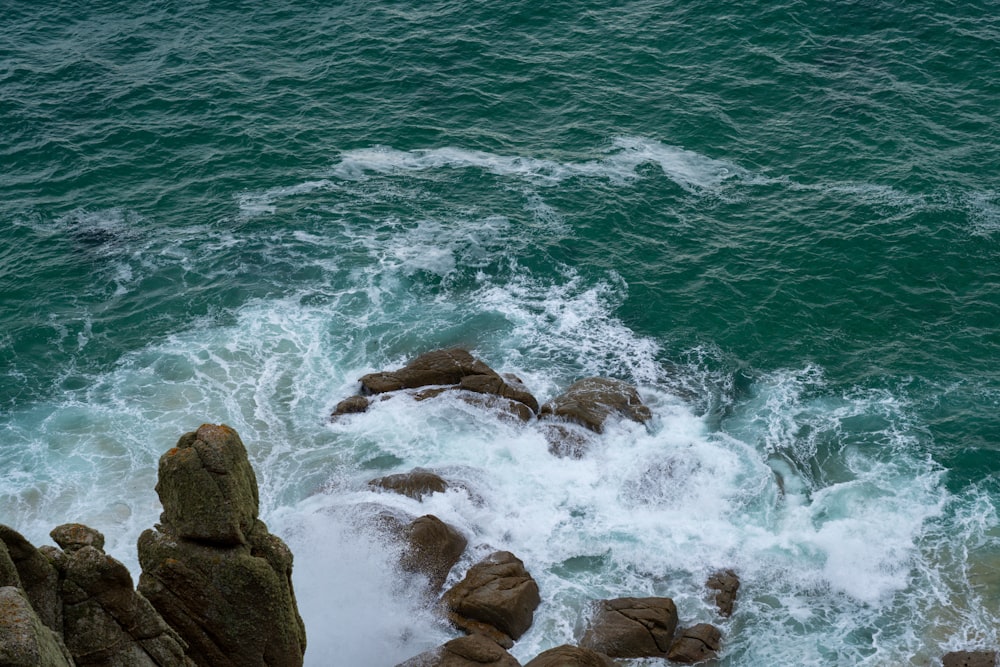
(780, 221)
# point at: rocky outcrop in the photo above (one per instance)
(470, 651)
(453, 369)
(24, 640)
(496, 598)
(86, 602)
(632, 627)
(590, 402)
(695, 644)
(350, 406)
(970, 659)
(415, 484)
(571, 656)
(211, 568)
(726, 584)
(432, 548)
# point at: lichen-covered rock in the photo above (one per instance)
(632, 627)
(24, 640)
(970, 659)
(38, 578)
(497, 592)
(208, 488)
(416, 484)
(470, 651)
(695, 644)
(571, 656)
(432, 548)
(214, 572)
(727, 584)
(590, 402)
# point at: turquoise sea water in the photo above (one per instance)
(787, 211)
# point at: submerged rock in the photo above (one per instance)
(350, 406)
(211, 568)
(632, 627)
(497, 597)
(696, 644)
(415, 484)
(590, 402)
(470, 651)
(970, 659)
(571, 656)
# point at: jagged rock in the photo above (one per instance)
(497, 592)
(449, 367)
(350, 406)
(211, 568)
(632, 627)
(970, 659)
(470, 651)
(208, 488)
(571, 656)
(416, 484)
(39, 579)
(24, 640)
(696, 644)
(432, 548)
(727, 584)
(591, 401)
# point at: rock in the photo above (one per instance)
(591, 401)
(727, 584)
(416, 484)
(696, 644)
(74, 536)
(505, 407)
(571, 656)
(567, 440)
(498, 386)
(24, 640)
(470, 651)
(211, 568)
(432, 549)
(497, 592)
(970, 659)
(350, 406)
(437, 367)
(208, 488)
(39, 579)
(632, 627)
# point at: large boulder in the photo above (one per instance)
(590, 402)
(211, 568)
(432, 548)
(571, 656)
(470, 651)
(455, 368)
(632, 627)
(726, 584)
(497, 597)
(695, 644)
(24, 640)
(36, 575)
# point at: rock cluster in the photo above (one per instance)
(215, 587)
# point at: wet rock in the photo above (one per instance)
(632, 627)
(498, 386)
(24, 640)
(432, 368)
(211, 568)
(350, 406)
(415, 484)
(432, 549)
(592, 401)
(504, 407)
(970, 659)
(566, 440)
(496, 593)
(571, 656)
(470, 651)
(727, 584)
(696, 644)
